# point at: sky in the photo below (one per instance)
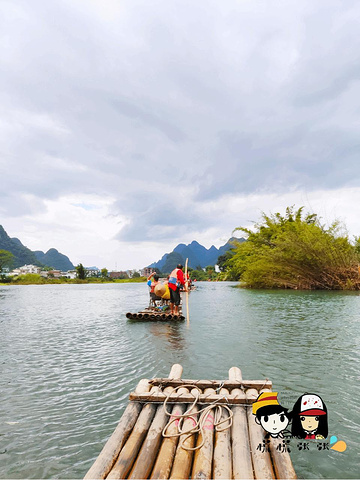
(130, 126)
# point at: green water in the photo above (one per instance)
(69, 358)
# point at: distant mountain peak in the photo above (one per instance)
(198, 255)
(24, 256)
(16, 240)
(194, 242)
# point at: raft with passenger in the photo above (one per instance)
(156, 314)
(159, 308)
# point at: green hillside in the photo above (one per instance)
(22, 254)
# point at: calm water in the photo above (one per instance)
(69, 358)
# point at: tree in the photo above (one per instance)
(211, 273)
(223, 259)
(104, 272)
(136, 275)
(80, 271)
(6, 259)
(198, 275)
(295, 251)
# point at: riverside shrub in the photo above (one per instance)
(296, 251)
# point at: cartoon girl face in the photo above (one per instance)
(309, 422)
(309, 417)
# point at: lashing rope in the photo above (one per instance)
(202, 415)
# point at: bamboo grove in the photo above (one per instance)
(295, 251)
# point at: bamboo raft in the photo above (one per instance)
(152, 315)
(138, 449)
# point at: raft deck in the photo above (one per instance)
(138, 449)
(152, 315)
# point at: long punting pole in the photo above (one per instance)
(187, 293)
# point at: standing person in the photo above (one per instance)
(152, 281)
(176, 279)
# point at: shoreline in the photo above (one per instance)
(76, 281)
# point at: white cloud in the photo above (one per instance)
(155, 123)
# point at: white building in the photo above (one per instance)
(70, 274)
(25, 269)
(92, 271)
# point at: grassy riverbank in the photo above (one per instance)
(34, 279)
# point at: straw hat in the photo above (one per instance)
(160, 290)
(265, 399)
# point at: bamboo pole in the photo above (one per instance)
(149, 450)
(187, 292)
(202, 384)
(235, 374)
(164, 460)
(204, 455)
(281, 459)
(261, 459)
(241, 454)
(222, 468)
(183, 458)
(110, 452)
(188, 398)
(176, 371)
(280, 456)
(128, 454)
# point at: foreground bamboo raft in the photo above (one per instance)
(138, 449)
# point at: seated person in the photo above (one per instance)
(153, 280)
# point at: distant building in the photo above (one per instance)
(145, 272)
(25, 269)
(118, 275)
(54, 273)
(70, 274)
(92, 271)
(58, 274)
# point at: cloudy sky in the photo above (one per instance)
(129, 126)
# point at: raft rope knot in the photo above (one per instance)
(220, 387)
(219, 418)
(263, 385)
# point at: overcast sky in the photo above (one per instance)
(129, 126)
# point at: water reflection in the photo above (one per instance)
(172, 332)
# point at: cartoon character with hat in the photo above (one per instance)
(309, 417)
(270, 414)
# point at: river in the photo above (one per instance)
(69, 358)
